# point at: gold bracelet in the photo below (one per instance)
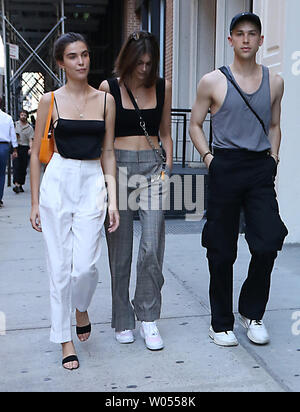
(204, 156)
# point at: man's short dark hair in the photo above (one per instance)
(24, 111)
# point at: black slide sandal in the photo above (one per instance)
(71, 358)
(80, 330)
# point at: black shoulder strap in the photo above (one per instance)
(143, 124)
(56, 106)
(53, 123)
(134, 102)
(226, 73)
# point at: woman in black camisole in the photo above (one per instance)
(141, 185)
(71, 206)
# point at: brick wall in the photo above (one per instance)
(132, 21)
(169, 40)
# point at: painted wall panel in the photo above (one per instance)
(272, 14)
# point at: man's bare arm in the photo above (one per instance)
(199, 113)
(275, 129)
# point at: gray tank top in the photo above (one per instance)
(234, 126)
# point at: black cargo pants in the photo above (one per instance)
(240, 178)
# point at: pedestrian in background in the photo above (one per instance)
(72, 204)
(25, 135)
(245, 102)
(143, 116)
(32, 121)
(7, 138)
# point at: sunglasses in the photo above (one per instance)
(137, 35)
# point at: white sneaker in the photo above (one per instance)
(126, 336)
(223, 338)
(151, 335)
(257, 331)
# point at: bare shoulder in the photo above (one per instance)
(46, 98)
(104, 86)
(100, 94)
(45, 101)
(276, 84)
(168, 85)
(109, 99)
(209, 80)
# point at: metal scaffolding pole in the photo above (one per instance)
(10, 79)
(34, 52)
(63, 32)
(6, 80)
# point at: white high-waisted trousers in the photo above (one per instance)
(72, 211)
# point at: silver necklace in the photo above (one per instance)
(81, 115)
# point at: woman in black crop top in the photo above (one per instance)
(141, 181)
(71, 208)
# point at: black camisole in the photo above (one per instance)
(79, 139)
(127, 121)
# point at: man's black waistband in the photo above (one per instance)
(4, 142)
(240, 152)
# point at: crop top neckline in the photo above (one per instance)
(127, 122)
(142, 110)
(78, 120)
(79, 139)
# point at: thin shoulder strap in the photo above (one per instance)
(143, 124)
(104, 106)
(56, 105)
(226, 73)
(53, 123)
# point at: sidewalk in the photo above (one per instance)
(190, 362)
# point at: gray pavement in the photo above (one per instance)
(190, 362)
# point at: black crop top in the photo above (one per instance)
(79, 139)
(127, 121)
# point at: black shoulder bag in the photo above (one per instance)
(143, 126)
(226, 73)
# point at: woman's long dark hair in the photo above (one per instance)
(138, 44)
(63, 41)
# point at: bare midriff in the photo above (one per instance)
(134, 143)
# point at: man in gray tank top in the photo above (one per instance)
(245, 112)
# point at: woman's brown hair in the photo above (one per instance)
(138, 44)
(63, 41)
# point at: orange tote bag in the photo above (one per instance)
(47, 142)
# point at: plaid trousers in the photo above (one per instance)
(140, 188)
